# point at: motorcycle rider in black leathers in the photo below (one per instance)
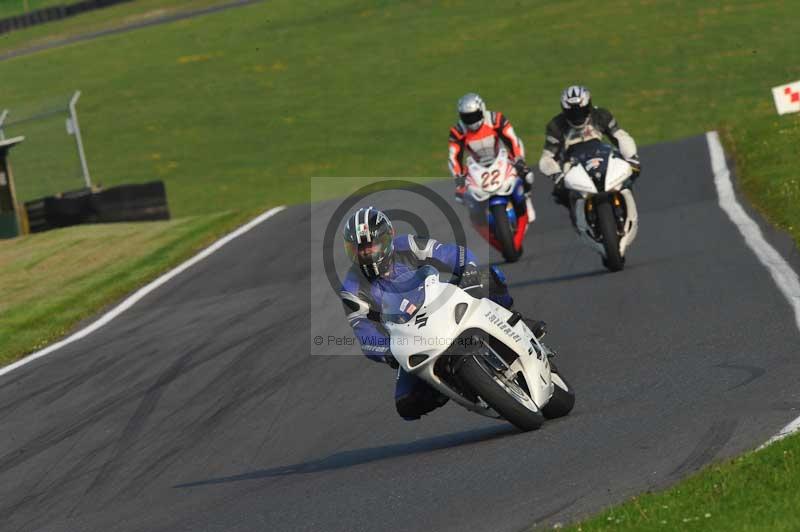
(579, 121)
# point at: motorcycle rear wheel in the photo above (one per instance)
(490, 387)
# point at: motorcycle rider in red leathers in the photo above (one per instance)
(476, 134)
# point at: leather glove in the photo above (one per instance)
(560, 194)
(459, 195)
(634, 162)
(461, 189)
(470, 278)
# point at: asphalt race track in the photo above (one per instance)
(202, 408)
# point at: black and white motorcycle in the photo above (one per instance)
(601, 202)
(479, 354)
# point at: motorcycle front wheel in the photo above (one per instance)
(504, 233)
(506, 397)
(608, 229)
(563, 399)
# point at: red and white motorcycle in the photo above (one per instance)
(499, 208)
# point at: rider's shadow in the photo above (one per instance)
(559, 278)
(372, 454)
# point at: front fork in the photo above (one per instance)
(589, 211)
(518, 206)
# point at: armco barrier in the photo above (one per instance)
(125, 203)
(50, 14)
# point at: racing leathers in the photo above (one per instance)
(561, 135)
(480, 144)
(362, 303)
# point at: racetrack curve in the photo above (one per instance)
(201, 408)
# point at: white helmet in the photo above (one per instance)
(471, 110)
(576, 101)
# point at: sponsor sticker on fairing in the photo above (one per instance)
(787, 98)
(403, 305)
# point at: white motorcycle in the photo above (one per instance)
(603, 208)
(499, 208)
(479, 354)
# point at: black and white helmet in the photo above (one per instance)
(576, 101)
(471, 110)
(369, 242)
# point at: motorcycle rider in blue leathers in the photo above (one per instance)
(379, 256)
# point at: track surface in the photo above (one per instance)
(202, 409)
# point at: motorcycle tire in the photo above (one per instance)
(608, 228)
(482, 383)
(504, 233)
(563, 399)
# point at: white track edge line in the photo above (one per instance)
(142, 292)
(784, 276)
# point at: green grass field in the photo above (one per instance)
(759, 491)
(239, 119)
(53, 280)
(10, 8)
(100, 19)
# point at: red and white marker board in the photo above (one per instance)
(787, 98)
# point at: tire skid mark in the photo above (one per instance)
(234, 381)
(36, 488)
(60, 387)
(203, 425)
(73, 475)
(263, 335)
(44, 441)
(136, 423)
(707, 448)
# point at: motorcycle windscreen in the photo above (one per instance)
(593, 157)
(403, 296)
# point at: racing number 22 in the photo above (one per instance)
(490, 179)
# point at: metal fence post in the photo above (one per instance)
(73, 114)
(3, 116)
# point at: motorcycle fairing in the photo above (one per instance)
(435, 330)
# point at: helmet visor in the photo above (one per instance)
(577, 115)
(472, 118)
(370, 253)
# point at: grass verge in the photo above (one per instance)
(755, 492)
(11, 8)
(91, 21)
(53, 280)
(247, 103)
